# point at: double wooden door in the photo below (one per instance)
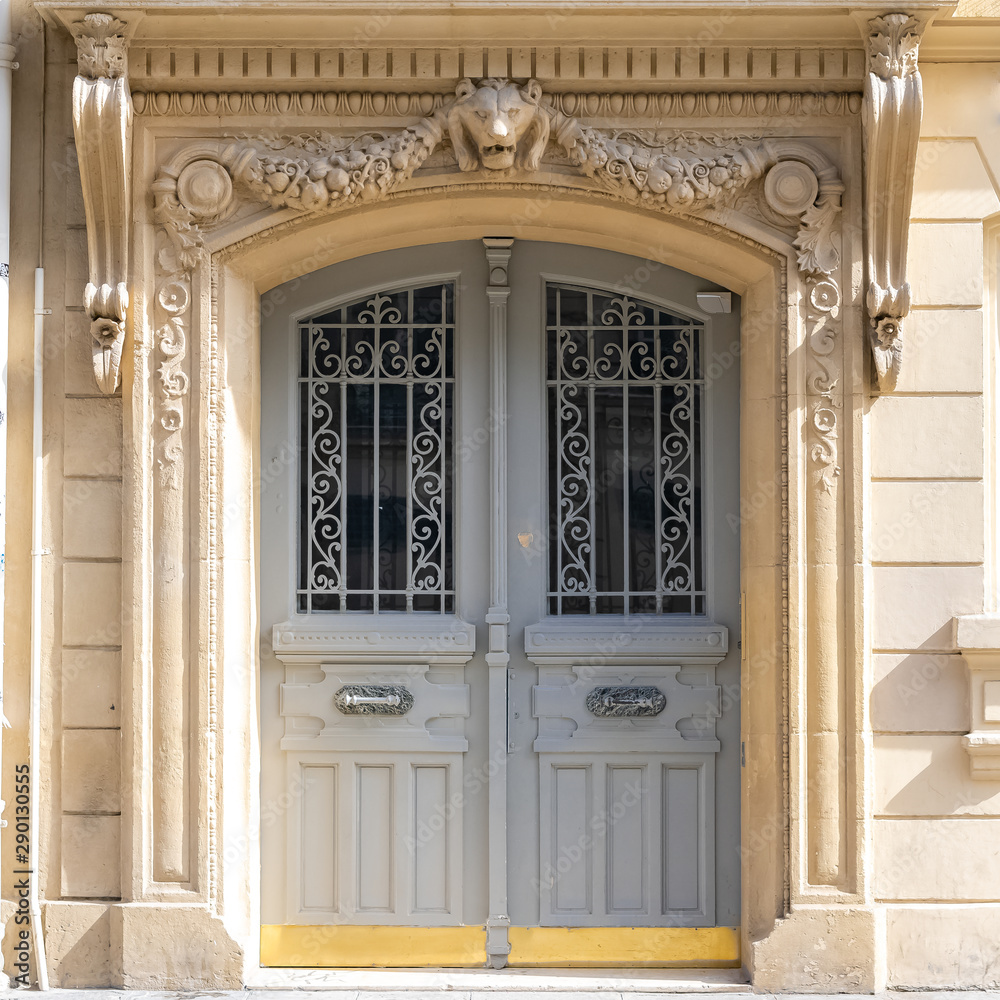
(499, 582)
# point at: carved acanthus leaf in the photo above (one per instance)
(102, 126)
(893, 104)
(101, 46)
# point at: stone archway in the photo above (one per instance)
(761, 216)
(240, 273)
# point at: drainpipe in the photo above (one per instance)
(7, 66)
(35, 702)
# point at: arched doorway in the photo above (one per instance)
(480, 719)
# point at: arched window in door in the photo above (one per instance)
(375, 402)
(625, 404)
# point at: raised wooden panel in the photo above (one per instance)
(571, 843)
(681, 824)
(430, 839)
(375, 835)
(376, 839)
(627, 848)
(319, 837)
(627, 840)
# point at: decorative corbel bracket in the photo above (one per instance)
(892, 108)
(102, 125)
(977, 637)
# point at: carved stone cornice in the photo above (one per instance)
(102, 126)
(893, 104)
(499, 132)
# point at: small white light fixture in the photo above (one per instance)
(715, 302)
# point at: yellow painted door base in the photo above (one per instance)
(625, 947)
(343, 946)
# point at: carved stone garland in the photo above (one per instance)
(102, 124)
(503, 129)
(893, 104)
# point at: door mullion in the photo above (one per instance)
(498, 619)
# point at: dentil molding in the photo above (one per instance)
(102, 126)
(893, 105)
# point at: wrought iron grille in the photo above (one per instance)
(625, 398)
(376, 386)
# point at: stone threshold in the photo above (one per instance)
(569, 982)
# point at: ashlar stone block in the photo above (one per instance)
(77, 944)
(91, 857)
(950, 182)
(927, 522)
(937, 859)
(91, 688)
(929, 776)
(92, 437)
(92, 519)
(914, 605)
(943, 947)
(919, 692)
(944, 351)
(927, 437)
(92, 604)
(945, 263)
(91, 771)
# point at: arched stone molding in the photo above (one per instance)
(203, 255)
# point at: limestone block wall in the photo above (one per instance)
(936, 851)
(80, 770)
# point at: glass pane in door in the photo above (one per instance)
(625, 398)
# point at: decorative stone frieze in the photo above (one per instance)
(893, 104)
(102, 125)
(500, 130)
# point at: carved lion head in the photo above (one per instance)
(497, 123)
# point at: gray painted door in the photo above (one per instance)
(622, 552)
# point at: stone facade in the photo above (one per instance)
(773, 154)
